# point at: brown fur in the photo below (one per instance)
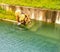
(26, 19)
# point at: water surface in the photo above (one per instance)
(35, 37)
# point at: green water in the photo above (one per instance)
(35, 37)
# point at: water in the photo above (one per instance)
(35, 37)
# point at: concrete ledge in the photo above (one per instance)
(9, 20)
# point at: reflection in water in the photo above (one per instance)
(40, 37)
(45, 29)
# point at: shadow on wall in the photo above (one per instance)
(51, 16)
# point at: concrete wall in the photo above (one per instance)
(52, 16)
